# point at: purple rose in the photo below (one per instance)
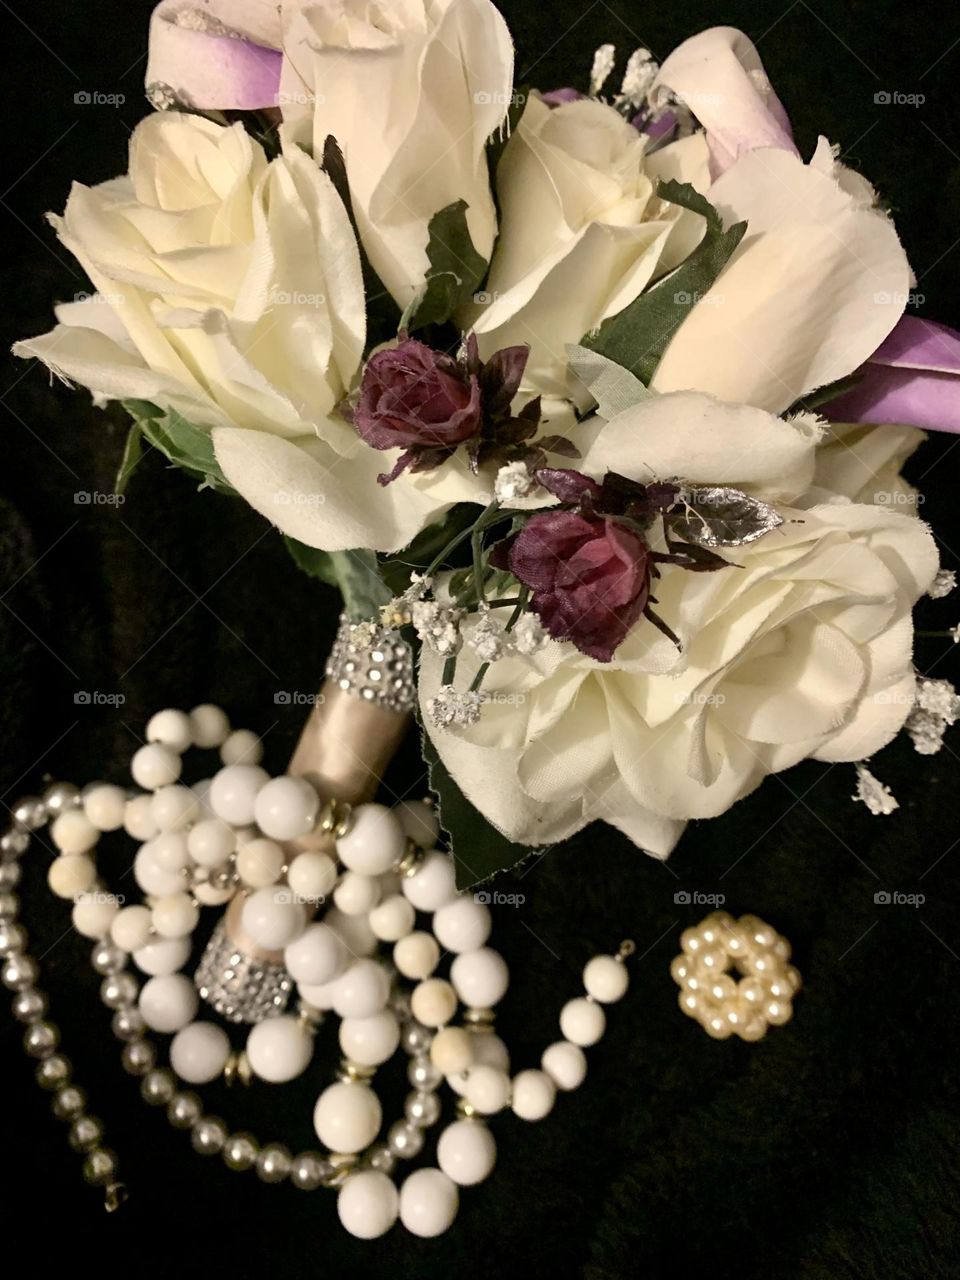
(589, 577)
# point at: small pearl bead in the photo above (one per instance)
(393, 919)
(208, 1136)
(419, 821)
(138, 820)
(240, 1152)
(168, 1003)
(271, 921)
(165, 956)
(233, 793)
(417, 955)
(433, 884)
(480, 978)
(316, 956)
(356, 894)
(368, 1204)
(174, 807)
(428, 1202)
(452, 1050)
(279, 1049)
(488, 1089)
(150, 875)
(606, 979)
(94, 913)
(73, 832)
(462, 925)
(565, 1064)
(71, 875)
(374, 842)
(175, 916)
(209, 726)
(260, 863)
(422, 1073)
(362, 990)
(286, 808)
(242, 747)
(312, 876)
(155, 766)
(199, 1052)
(347, 1117)
(370, 1041)
(422, 1107)
(533, 1095)
(308, 1170)
(582, 1022)
(273, 1163)
(105, 806)
(184, 1110)
(467, 1152)
(433, 1002)
(405, 1140)
(171, 729)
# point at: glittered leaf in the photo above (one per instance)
(717, 516)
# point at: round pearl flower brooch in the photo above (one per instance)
(735, 976)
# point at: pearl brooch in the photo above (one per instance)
(735, 977)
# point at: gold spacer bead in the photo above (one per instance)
(478, 1019)
(343, 1166)
(626, 949)
(413, 855)
(238, 1068)
(354, 1073)
(466, 1110)
(335, 818)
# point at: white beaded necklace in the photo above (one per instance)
(199, 845)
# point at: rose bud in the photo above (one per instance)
(589, 577)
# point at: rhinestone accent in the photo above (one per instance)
(239, 987)
(362, 654)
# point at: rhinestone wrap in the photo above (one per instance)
(239, 987)
(372, 663)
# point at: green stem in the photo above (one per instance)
(477, 680)
(489, 516)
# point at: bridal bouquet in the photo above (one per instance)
(598, 395)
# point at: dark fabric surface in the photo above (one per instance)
(828, 1150)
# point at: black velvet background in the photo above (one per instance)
(828, 1150)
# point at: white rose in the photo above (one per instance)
(582, 231)
(803, 651)
(230, 290)
(411, 90)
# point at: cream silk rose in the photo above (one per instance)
(230, 290)
(411, 90)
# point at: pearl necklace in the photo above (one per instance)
(199, 845)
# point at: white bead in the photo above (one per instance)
(488, 1089)
(370, 1041)
(201, 790)
(467, 1152)
(451, 1050)
(73, 832)
(175, 916)
(582, 1021)
(71, 875)
(208, 895)
(462, 925)
(361, 991)
(131, 927)
(355, 931)
(433, 1002)
(393, 919)
(433, 884)
(94, 913)
(168, 852)
(271, 920)
(374, 842)
(279, 1049)
(199, 1052)
(606, 979)
(242, 747)
(260, 863)
(419, 821)
(168, 1003)
(105, 806)
(480, 978)
(211, 842)
(316, 956)
(488, 1051)
(209, 726)
(347, 1117)
(312, 876)
(318, 996)
(286, 808)
(368, 1204)
(417, 955)
(151, 877)
(138, 820)
(162, 957)
(171, 729)
(532, 1095)
(155, 766)
(357, 894)
(174, 807)
(428, 1202)
(233, 792)
(565, 1064)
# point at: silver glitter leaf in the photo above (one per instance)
(719, 516)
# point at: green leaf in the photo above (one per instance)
(357, 574)
(479, 850)
(187, 446)
(455, 271)
(637, 336)
(614, 388)
(132, 453)
(823, 395)
(395, 569)
(313, 562)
